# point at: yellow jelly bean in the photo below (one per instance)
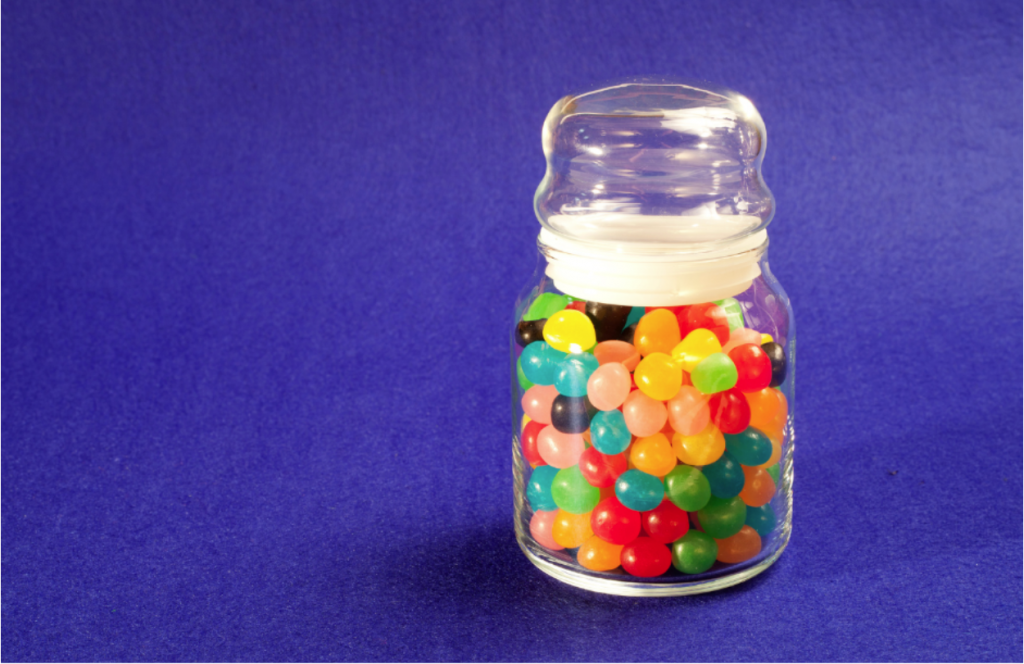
(571, 530)
(695, 347)
(658, 377)
(765, 338)
(700, 450)
(656, 332)
(570, 331)
(653, 455)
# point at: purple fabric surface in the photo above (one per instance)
(260, 269)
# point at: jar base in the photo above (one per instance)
(649, 588)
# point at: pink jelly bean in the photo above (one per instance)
(740, 336)
(617, 351)
(540, 527)
(537, 402)
(558, 449)
(644, 416)
(608, 386)
(688, 411)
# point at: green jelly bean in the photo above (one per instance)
(774, 472)
(573, 493)
(546, 305)
(715, 373)
(524, 382)
(687, 488)
(722, 517)
(733, 312)
(694, 552)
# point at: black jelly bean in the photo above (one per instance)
(608, 319)
(627, 334)
(569, 414)
(777, 356)
(529, 331)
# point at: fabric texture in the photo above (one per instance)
(261, 261)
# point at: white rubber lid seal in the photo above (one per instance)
(612, 274)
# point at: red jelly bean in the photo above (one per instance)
(674, 310)
(666, 523)
(614, 522)
(529, 439)
(730, 411)
(578, 305)
(601, 470)
(646, 557)
(753, 367)
(707, 316)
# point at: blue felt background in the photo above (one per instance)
(259, 270)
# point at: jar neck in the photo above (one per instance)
(646, 276)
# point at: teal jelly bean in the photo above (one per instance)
(733, 312)
(715, 373)
(538, 490)
(639, 491)
(725, 476)
(761, 519)
(524, 382)
(723, 517)
(573, 493)
(608, 432)
(634, 316)
(750, 447)
(687, 488)
(545, 305)
(573, 372)
(773, 470)
(540, 363)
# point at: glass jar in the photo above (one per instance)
(652, 353)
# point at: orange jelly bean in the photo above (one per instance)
(598, 555)
(657, 332)
(617, 351)
(653, 455)
(758, 487)
(767, 408)
(702, 449)
(571, 530)
(742, 546)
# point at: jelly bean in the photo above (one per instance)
(765, 338)
(653, 455)
(773, 470)
(753, 369)
(761, 519)
(688, 411)
(608, 386)
(749, 447)
(537, 402)
(739, 548)
(707, 316)
(569, 331)
(697, 345)
(695, 553)
(639, 491)
(758, 487)
(665, 523)
(675, 310)
(657, 332)
(629, 334)
(540, 363)
(601, 470)
(645, 557)
(722, 517)
(617, 351)
(572, 493)
(701, 449)
(571, 530)
(528, 331)
(635, 314)
(730, 411)
(644, 416)
(538, 490)
(614, 522)
(658, 377)
(740, 337)
(577, 305)
(529, 441)
(609, 319)
(559, 449)
(540, 529)
(725, 477)
(609, 433)
(598, 555)
(777, 356)
(733, 312)
(687, 488)
(545, 305)
(715, 373)
(569, 414)
(773, 460)
(767, 408)
(573, 372)
(524, 382)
